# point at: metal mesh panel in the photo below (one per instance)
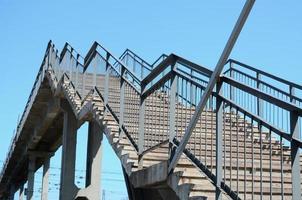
(114, 91)
(157, 116)
(131, 111)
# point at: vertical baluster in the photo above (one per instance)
(106, 91)
(122, 101)
(244, 153)
(206, 132)
(212, 129)
(219, 132)
(71, 65)
(77, 73)
(270, 163)
(231, 146)
(172, 118)
(237, 150)
(224, 142)
(232, 76)
(281, 166)
(261, 170)
(253, 171)
(141, 128)
(259, 101)
(295, 149)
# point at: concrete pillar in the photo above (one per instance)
(94, 156)
(21, 192)
(68, 189)
(31, 177)
(93, 163)
(45, 182)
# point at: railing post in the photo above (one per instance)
(141, 129)
(106, 92)
(77, 74)
(172, 117)
(142, 70)
(71, 65)
(122, 100)
(219, 136)
(95, 67)
(295, 150)
(232, 93)
(259, 101)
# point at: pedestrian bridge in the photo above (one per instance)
(245, 143)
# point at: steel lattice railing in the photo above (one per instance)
(255, 160)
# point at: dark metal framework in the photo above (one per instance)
(250, 99)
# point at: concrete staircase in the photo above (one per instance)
(187, 181)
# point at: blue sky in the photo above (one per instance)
(196, 30)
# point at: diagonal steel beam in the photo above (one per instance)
(214, 77)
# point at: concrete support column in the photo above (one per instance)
(94, 156)
(31, 177)
(45, 181)
(93, 163)
(21, 192)
(68, 189)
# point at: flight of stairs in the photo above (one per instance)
(187, 181)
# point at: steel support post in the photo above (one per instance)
(232, 89)
(172, 110)
(141, 129)
(106, 92)
(214, 77)
(68, 188)
(219, 136)
(83, 83)
(295, 151)
(122, 100)
(45, 181)
(259, 101)
(31, 177)
(77, 74)
(71, 66)
(95, 69)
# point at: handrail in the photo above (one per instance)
(163, 57)
(158, 69)
(289, 83)
(258, 93)
(171, 59)
(135, 57)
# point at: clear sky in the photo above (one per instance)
(196, 30)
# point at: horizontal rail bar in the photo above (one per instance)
(158, 69)
(266, 84)
(258, 119)
(266, 74)
(158, 84)
(202, 70)
(262, 95)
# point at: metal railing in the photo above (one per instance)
(157, 107)
(247, 138)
